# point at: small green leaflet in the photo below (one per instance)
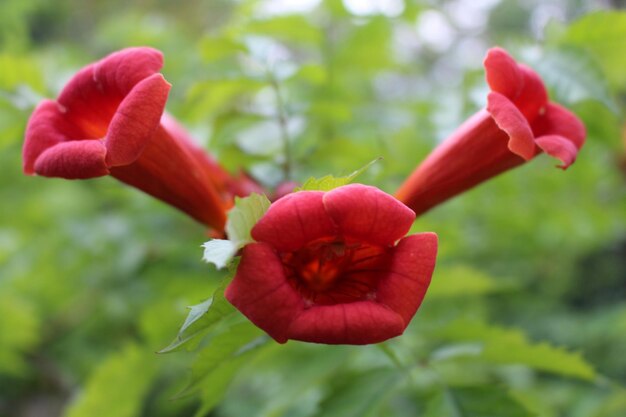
(241, 219)
(237, 341)
(328, 182)
(201, 317)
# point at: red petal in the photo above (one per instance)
(91, 97)
(512, 121)
(413, 262)
(136, 119)
(534, 96)
(357, 323)
(558, 147)
(294, 220)
(78, 159)
(123, 69)
(368, 214)
(46, 128)
(502, 73)
(557, 120)
(261, 292)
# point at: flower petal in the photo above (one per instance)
(533, 97)
(260, 290)
(294, 220)
(503, 73)
(557, 120)
(91, 97)
(123, 69)
(412, 265)
(46, 128)
(558, 147)
(512, 121)
(77, 159)
(136, 119)
(368, 214)
(357, 323)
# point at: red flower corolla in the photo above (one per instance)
(518, 124)
(109, 120)
(333, 267)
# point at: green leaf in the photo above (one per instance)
(603, 35)
(118, 385)
(219, 252)
(231, 344)
(241, 219)
(215, 48)
(511, 346)
(291, 28)
(574, 76)
(479, 401)
(461, 281)
(328, 182)
(213, 97)
(201, 317)
(216, 383)
(20, 330)
(362, 395)
(243, 216)
(20, 70)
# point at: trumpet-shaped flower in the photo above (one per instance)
(334, 267)
(518, 124)
(109, 120)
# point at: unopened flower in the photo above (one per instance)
(334, 267)
(518, 124)
(109, 120)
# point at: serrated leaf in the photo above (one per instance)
(243, 216)
(219, 252)
(328, 182)
(234, 342)
(241, 219)
(511, 346)
(202, 317)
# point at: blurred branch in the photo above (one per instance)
(281, 118)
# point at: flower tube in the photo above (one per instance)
(334, 267)
(518, 124)
(109, 120)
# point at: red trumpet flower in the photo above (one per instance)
(109, 120)
(518, 124)
(326, 267)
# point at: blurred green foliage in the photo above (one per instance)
(526, 315)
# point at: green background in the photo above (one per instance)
(526, 315)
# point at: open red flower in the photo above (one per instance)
(109, 120)
(333, 267)
(518, 124)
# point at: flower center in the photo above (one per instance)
(336, 270)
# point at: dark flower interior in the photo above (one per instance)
(336, 270)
